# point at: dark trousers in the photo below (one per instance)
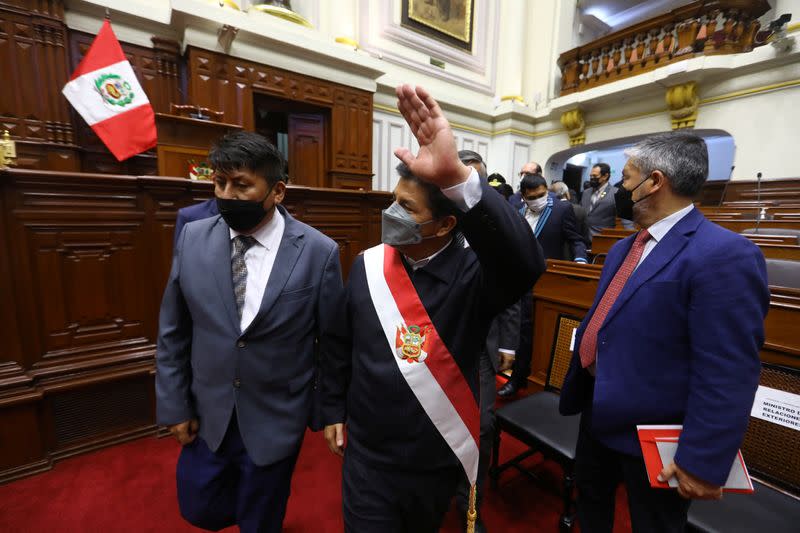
(598, 471)
(488, 390)
(380, 500)
(223, 488)
(522, 360)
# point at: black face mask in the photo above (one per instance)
(243, 215)
(594, 182)
(623, 201)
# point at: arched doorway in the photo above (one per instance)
(573, 165)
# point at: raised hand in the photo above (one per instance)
(437, 160)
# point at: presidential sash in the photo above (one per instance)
(422, 357)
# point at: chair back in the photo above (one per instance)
(561, 354)
(783, 273)
(771, 451)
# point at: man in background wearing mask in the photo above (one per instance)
(405, 375)
(250, 295)
(599, 203)
(531, 167)
(553, 224)
(673, 337)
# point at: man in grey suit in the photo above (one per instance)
(599, 203)
(245, 313)
(497, 356)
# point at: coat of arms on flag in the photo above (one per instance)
(105, 92)
(412, 344)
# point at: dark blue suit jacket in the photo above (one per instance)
(462, 290)
(199, 211)
(559, 229)
(679, 346)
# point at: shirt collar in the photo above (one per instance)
(602, 188)
(269, 234)
(415, 265)
(658, 230)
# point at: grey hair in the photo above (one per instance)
(560, 188)
(682, 157)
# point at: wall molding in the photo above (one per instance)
(483, 63)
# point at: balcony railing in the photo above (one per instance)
(700, 28)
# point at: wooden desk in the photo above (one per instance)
(182, 138)
(789, 252)
(564, 288)
(739, 226)
(602, 243)
(569, 288)
(760, 238)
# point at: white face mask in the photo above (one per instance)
(537, 205)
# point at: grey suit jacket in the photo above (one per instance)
(210, 370)
(603, 214)
(503, 333)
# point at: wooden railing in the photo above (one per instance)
(700, 28)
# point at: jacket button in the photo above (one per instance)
(241, 344)
(237, 383)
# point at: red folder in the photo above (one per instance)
(659, 444)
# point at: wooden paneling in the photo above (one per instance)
(772, 191)
(569, 288)
(227, 83)
(307, 149)
(33, 66)
(79, 300)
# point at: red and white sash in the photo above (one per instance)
(422, 357)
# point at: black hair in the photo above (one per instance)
(438, 203)
(505, 189)
(470, 156)
(532, 181)
(605, 170)
(249, 151)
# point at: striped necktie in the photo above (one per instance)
(241, 243)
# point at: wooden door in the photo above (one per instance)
(307, 149)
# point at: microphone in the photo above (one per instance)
(762, 211)
(725, 188)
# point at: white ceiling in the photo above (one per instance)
(618, 14)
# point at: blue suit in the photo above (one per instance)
(250, 390)
(206, 209)
(679, 346)
(556, 230)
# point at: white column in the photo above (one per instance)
(511, 46)
(549, 26)
(342, 18)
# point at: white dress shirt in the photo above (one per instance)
(660, 229)
(532, 218)
(259, 260)
(599, 193)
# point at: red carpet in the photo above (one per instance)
(131, 488)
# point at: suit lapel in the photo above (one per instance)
(669, 246)
(221, 267)
(289, 250)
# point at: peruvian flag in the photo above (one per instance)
(106, 93)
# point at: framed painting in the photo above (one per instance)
(449, 21)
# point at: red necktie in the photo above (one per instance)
(588, 348)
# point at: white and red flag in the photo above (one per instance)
(422, 357)
(106, 93)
